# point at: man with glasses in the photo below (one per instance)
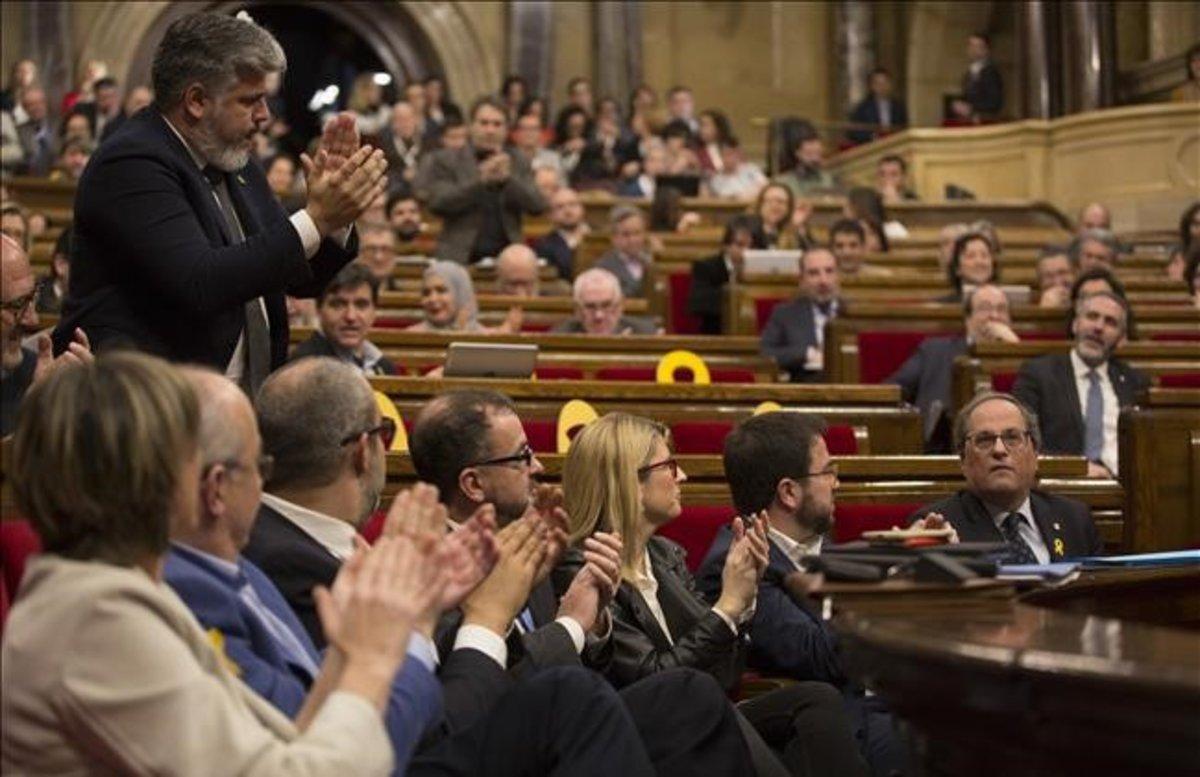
(779, 469)
(600, 308)
(22, 367)
(998, 440)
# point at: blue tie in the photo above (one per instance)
(1019, 551)
(1093, 419)
(525, 619)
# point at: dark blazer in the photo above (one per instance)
(449, 183)
(153, 266)
(706, 298)
(867, 112)
(630, 286)
(1066, 525)
(786, 338)
(700, 639)
(984, 92)
(925, 381)
(317, 345)
(1046, 385)
(554, 249)
(626, 325)
(112, 126)
(785, 637)
(630, 187)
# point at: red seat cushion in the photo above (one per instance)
(1180, 380)
(1003, 381)
(695, 529)
(18, 541)
(679, 320)
(542, 434)
(762, 310)
(700, 437)
(841, 441)
(683, 375)
(626, 373)
(730, 375)
(880, 353)
(558, 373)
(1180, 336)
(851, 520)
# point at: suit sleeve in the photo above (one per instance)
(327, 262)
(704, 299)
(414, 707)
(1027, 389)
(785, 638)
(472, 683)
(776, 343)
(444, 193)
(520, 189)
(908, 377)
(137, 204)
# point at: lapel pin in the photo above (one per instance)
(241, 180)
(1059, 550)
(1057, 527)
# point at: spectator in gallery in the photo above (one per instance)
(569, 229)
(677, 145)
(642, 100)
(807, 174)
(448, 303)
(783, 223)
(879, 108)
(982, 96)
(23, 75)
(513, 93)
(1094, 215)
(439, 108)
(600, 308)
(403, 144)
(711, 276)
(891, 180)
(366, 103)
(972, 262)
(629, 258)
(377, 252)
(103, 110)
(572, 131)
(530, 139)
(579, 94)
(281, 177)
(346, 311)
(1094, 248)
(795, 333)
(644, 181)
(1055, 275)
(35, 134)
(681, 106)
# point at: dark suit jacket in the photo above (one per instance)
(984, 92)
(925, 381)
(554, 249)
(317, 345)
(153, 266)
(36, 164)
(700, 639)
(450, 185)
(630, 187)
(1066, 525)
(786, 338)
(630, 286)
(1046, 385)
(706, 299)
(867, 112)
(785, 637)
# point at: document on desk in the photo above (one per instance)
(1164, 559)
(1054, 574)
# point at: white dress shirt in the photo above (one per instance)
(1025, 527)
(795, 551)
(1112, 406)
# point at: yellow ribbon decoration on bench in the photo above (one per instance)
(682, 358)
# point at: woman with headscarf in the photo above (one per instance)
(449, 305)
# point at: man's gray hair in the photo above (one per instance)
(215, 49)
(1115, 297)
(596, 275)
(963, 418)
(305, 410)
(1102, 236)
(622, 212)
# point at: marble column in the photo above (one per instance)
(1089, 63)
(531, 43)
(618, 51)
(1035, 65)
(855, 33)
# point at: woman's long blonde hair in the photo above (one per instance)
(600, 480)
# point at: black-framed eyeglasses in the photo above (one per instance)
(1013, 439)
(19, 305)
(525, 456)
(386, 431)
(265, 464)
(832, 469)
(671, 463)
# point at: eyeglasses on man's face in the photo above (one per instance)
(830, 469)
(386, 431)
(1014, 440)
(19, 305)
(525, 456)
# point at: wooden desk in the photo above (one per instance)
(1099, 677)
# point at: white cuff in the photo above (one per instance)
(421, 649)
(485, 641)
(310, 238)
(728, 621)
(575, 630)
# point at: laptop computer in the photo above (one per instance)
(490, 360)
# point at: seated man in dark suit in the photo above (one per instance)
(629, 258)
(925, 378)
(346, 311)
(879, 108)
(998, 442)
(600, 308)
(559, 246)
(795, 334)
(1079, 395)
(710, 276)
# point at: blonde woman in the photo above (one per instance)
(621, 476)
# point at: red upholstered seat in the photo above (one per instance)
(536, 326)
(1044, 336)
(18, 541)
(880, 353)
(1003, 381)
(851, 520)
(841, 441)
(1180, 380)
(558, 373)
(649, 374)
(762, 310)
(1186, 336)
(542, 434)
(708, 437)
(730, 375)
(695, 529)
(679, 320)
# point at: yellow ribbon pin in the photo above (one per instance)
(1059, 549)
(217, 640)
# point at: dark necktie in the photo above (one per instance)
(258, 335)
(1019, 551)
(1093, 419)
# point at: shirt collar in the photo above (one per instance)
(795, 551)
(195, 155)
(1081, 369)
(334, 535)
(998, 514)
(227, 569)
(370, 354)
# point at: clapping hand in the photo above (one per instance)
(78, 352)
(546, 510)
(497, 600)
(339, 193)
(594, 586)
(339, 140)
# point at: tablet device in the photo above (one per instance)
(490, 360)
(688, 185)
(772, 262)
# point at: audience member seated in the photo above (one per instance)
(1078, 396)
(480, 191)
(22, 367)
(1094, 215)
(779, 218)
(727, 171)
(778, 468)
(600, 308)
(681, 106)
(281, 177)
(706, 299)
(404, 216)
(847, 240)
(75, 127)
(548, 181)
(925, 379)
(1094, 248)
(572, 131)
(35, 134)
(628, 259)
(667, 214)
(24, 74)
(891, 180)
(603, 156)
(377, 252)
(807, 174)
(947, 237)
(660, 621)
(15, 224)
(1000, 502)
(679, 159)
(879, 108)
(982, 87)
(865, 206)
(529, 139)
(517, 274)
(570, 228)
(440, 110)
(52, 287)
(1055, 275)
(449, 305)
(973, 261)
(346, 311)
(93, 627)
(402, 144)
(795, 333)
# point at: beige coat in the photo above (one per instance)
(105, 670)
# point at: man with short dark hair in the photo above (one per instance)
(1055, 274)
(982, 87)
(628, 259)
(795, 333)
(481, 191)
(181, 249)
(710, 276)
(997, 440)
(681, 106)
(1079, 395)
(570, 227)
(878, 108)
(346, 311)
(848, 241)
(891, 179)
(807, 174)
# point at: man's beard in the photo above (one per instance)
(813, 518)
(218, 153)
(512, 511)
(372, 491)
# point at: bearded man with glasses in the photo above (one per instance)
(998, 440)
